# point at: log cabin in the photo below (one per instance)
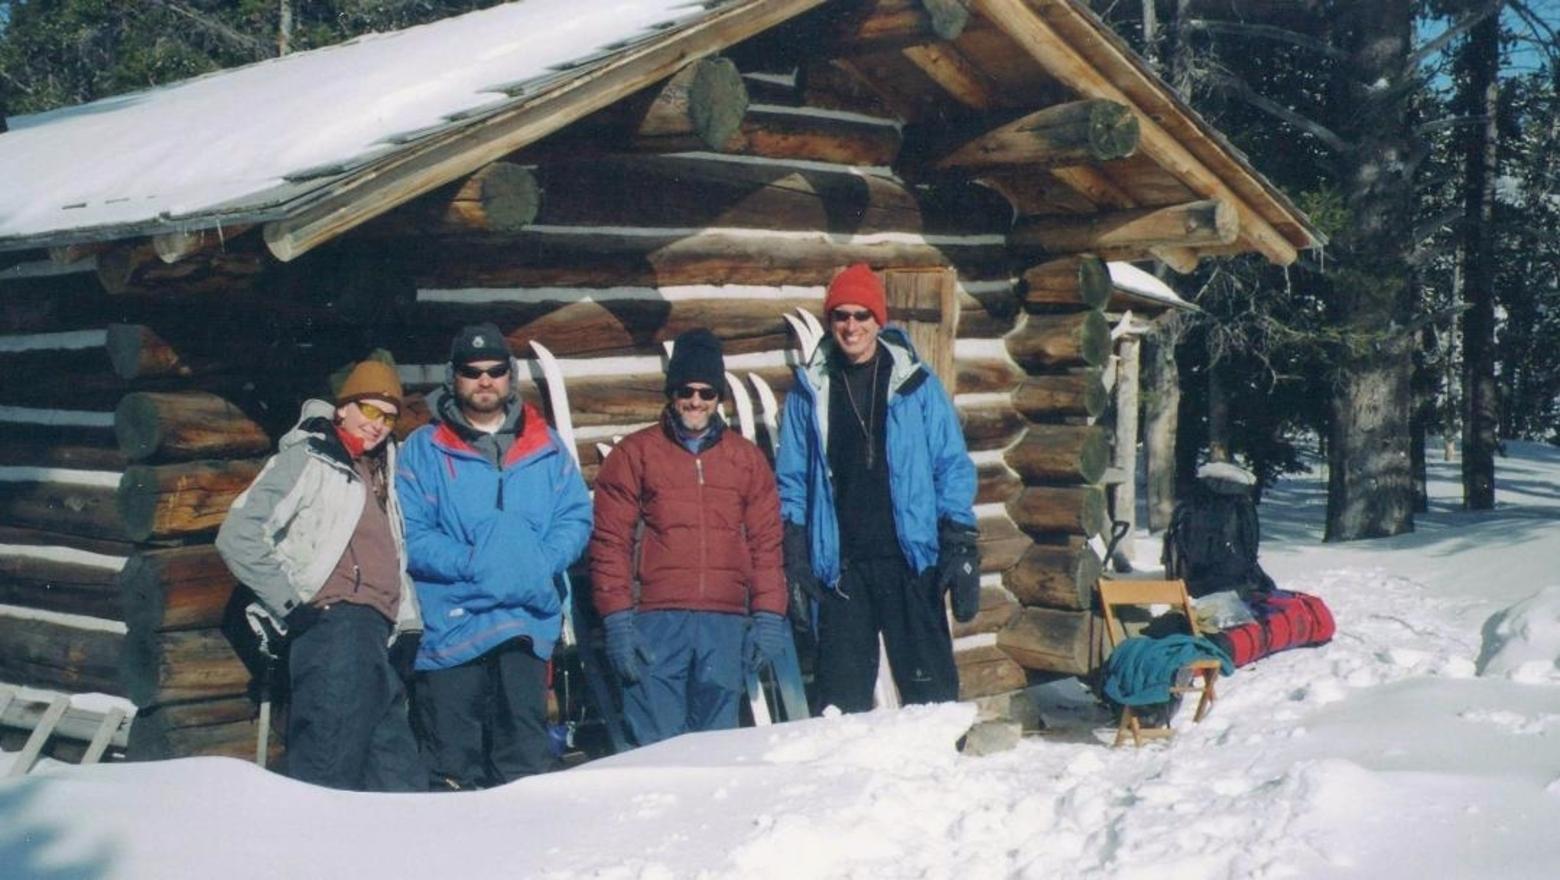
(180, 268)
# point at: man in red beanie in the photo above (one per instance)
(877, 493)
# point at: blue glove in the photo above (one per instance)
(626, 648)
(766, 639)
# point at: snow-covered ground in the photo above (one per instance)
(1424, 741)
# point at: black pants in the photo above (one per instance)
(484, 722)
(884, 596)
(347, 726)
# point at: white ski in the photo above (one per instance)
(885, 694)
(744, 404)
(557, 397)
(770, 409)
(812, 324)
(563, 423)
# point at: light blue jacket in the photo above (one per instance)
(485, 544)
(930, 475)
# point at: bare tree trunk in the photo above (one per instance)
(1128, 405)
(1424, 410)
(1161, 415)
(1218, 411)
(1451, 412)
(284, 27)
(1482, 60)
(1370, 491)
(1151, 33)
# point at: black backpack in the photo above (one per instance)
(1213, 535)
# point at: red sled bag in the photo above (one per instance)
(1284, 620)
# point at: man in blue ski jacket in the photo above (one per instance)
(495, 511)
(877, 493)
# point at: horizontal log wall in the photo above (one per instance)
(197, 366)
(60, 579)
(93, 386)
(59, 653)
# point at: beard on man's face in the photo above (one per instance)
(481, 400)
(693, 419)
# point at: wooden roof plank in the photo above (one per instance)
(944, 65)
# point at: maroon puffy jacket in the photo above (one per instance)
(711, 538)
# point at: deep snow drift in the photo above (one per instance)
(1423, 742)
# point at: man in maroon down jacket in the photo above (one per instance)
(711, 591)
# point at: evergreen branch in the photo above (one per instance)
(259, 47)
(1545, 36)
(1450, 122)
(1268, 32)
(1455, 30)
(1246, 93)
(1433, 225)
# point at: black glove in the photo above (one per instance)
(958, 568)
(403, 654)
(802, 586)
(300, 619)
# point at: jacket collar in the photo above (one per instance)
(905, 373)
(316, 432)
(711, 437)
(533, 438)
(445, 410)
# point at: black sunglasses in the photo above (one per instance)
(497, 371)
(840, 316)
(688, 391)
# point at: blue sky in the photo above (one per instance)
(1525, 56)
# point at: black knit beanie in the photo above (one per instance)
(478, 342)
(696, 357)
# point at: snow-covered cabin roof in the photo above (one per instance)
(312, 145)
(254, 143)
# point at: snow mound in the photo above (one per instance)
(1522, 643)
(880, 740)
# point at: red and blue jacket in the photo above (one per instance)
(485, 543)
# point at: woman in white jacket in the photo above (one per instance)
(318, 538)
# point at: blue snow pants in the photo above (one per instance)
(696, 680)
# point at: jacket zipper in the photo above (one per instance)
(698, 467)
(357, 570)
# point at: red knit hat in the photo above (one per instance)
(857, 286)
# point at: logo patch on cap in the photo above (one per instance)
(478, 342)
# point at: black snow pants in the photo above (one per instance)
(347, 724)
(484, 722)
(882, 595)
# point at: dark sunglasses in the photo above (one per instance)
(840, 316)
(687, 392)
(468, 371)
